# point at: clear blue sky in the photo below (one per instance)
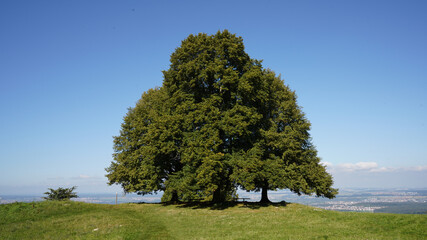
(70, 69)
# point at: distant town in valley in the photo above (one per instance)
(406, 201)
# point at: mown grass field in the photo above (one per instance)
(76, 220)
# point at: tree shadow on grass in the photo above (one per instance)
(225, 205)
(203, 205)
(258, 205)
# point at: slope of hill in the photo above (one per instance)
(76, 220)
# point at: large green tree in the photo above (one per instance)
(220, 121)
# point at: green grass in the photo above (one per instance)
(75, 220)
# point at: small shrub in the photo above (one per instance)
(61, 194)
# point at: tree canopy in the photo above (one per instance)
(219, 122)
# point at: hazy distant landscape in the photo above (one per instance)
(408, 201)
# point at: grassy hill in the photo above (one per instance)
(75, 220)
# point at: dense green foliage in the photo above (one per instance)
(219, 122)
(74, 220)
(61, 194)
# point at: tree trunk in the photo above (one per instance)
(264, 196)
(174, 198)
(216, 198)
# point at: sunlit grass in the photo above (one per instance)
(74, 220)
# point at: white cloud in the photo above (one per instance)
(85, 177)
(418, 168)
(326, 164)
(360, 166)
(384, 169)
(372, 167)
